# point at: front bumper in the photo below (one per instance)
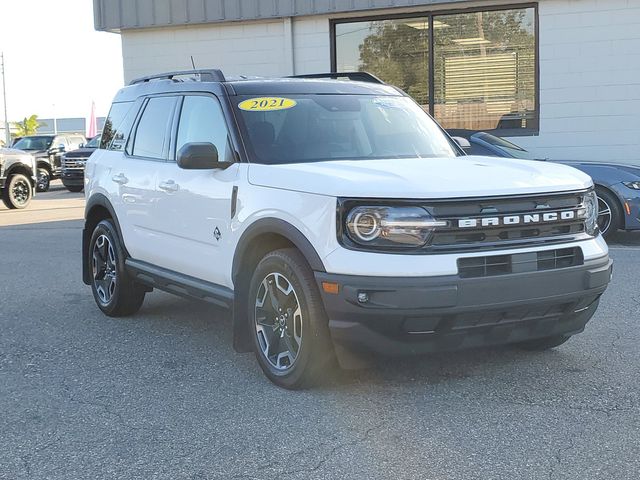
(420, 315)
(72, 177)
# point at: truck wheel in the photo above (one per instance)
(545, 343)
(287, 321)
(114, 291)
(609, 213)
(74, 188)
(17, 192)
(44, 180)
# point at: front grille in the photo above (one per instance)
(77, 162)
(506, 221)
(475, 267)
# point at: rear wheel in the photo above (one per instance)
(287, 321)
(609, 213)
(74, 188)
(44, 180)
(17, 192)
(114, 291)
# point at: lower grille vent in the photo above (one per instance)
(493, 265)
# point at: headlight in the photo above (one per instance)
(591, 213)
(632, 185)
(393, 227)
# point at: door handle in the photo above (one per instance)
(120, 178)
(169, 186)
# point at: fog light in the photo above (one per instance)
(363, 297)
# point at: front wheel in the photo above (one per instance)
(17, 192)
(287, 321)
(114, 291)
(75, 188)
(44, 180)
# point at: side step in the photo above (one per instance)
(179, 284)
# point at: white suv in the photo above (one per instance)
(336, 219)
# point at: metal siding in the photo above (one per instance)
(122, 14)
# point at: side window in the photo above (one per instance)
(202, 120)
(117, 126)
(151, 133)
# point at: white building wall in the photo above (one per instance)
(589, 81)
(589, 68)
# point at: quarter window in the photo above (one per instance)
(202, 120)
(117, 126)
(151, 135)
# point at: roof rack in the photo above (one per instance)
(210, 75)
(355, 76)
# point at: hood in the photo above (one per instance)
(623, 167)
(468, 176)
(80, 153)
(36, 153)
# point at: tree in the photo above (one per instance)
(28, 126)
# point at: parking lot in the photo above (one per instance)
(163, 395)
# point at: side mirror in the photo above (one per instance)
(463, 143)
(200, 156)
(81, 145)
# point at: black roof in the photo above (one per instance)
(157, 84)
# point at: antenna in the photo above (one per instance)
(193, 64)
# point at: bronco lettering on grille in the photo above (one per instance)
(527, 219)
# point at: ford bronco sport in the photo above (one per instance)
(335, 219)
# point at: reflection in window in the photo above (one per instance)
(397, 51)
(485, 70)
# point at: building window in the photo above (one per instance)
(482, 73)
(397, 51)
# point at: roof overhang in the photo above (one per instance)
(116, 15)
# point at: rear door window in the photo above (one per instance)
(152, 134)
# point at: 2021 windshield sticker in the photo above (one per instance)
(267, 104)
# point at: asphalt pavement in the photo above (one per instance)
(162, 395)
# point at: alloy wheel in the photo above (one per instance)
(604, 215)
(105, 275)
(278, 318)
(20, 192)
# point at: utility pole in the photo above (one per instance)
(7, 133)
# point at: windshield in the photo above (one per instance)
(510, 148)
(94, 142)
(311, 128)
(42, 142)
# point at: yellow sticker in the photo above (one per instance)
(267, 104)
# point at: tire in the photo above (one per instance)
(44, 180)
(114, 291)
(74, 188)
(17, 192)
(545, 343)
(285, 309)
(609, 223)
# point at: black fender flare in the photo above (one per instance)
(278, 227)
(265, 226)
(96, 200)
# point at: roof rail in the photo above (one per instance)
(355, 76)
(210, 75)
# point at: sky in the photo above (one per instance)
(56, 64)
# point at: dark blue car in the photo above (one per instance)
(617, 185)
